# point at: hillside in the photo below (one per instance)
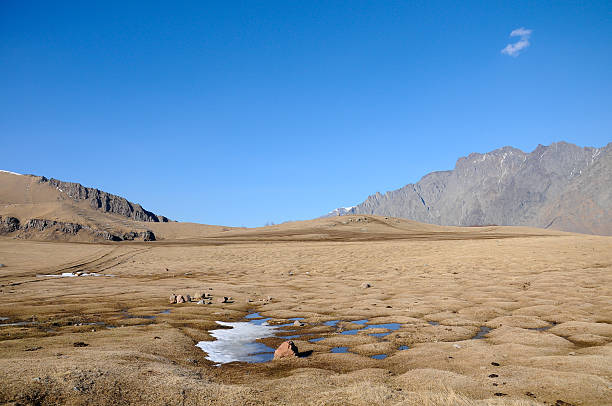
(49, 209)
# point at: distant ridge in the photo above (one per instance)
(561, 186)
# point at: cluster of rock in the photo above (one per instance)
(103, 201)
(179, 298)
(199, 298)
(10, 225)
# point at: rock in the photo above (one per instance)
(298, 323)
(456, 346)
(226, 299)
(183, 299)
(200, 302)
(80, 344)
(286, 349)
(365, 285)
(173, 299)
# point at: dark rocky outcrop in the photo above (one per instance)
(561, 186)
(9, 225)
(42, 225)
(143, 235)
(106, 202)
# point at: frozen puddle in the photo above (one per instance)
(238, 343)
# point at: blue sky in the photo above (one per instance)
(240, 113)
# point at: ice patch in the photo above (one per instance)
(238, 342)
(71, 275)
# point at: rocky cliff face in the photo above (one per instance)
(560, 186)
(103, 201)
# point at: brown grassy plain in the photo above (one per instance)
(441, 283)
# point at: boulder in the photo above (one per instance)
(182, 298)
(173, 299)
(286, 349)
(365, 285)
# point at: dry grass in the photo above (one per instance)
(512, 280)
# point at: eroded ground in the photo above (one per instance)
(543, 306)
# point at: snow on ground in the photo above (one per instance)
(12, 173)
(237, 343)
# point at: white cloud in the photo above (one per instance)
(516, 48)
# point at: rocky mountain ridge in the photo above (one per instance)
(561, 186)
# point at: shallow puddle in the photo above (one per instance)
(238, 343)
(388, 326)
(482, 333)
(126, 315)
(261, 322)
(19, 323)
(543, 328)
(433, 323)
(403, 347)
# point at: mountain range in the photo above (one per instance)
(561, 186)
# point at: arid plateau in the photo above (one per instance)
(541, 301)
